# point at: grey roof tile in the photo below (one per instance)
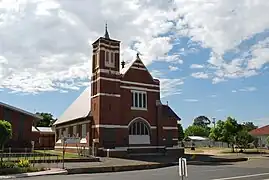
(20, 110)
(80, 108)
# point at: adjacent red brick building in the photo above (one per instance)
(122, 111)
(44, 138)
(22, 122)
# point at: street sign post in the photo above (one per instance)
(182, 168)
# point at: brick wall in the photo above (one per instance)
(21, 127)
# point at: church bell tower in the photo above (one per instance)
(105, 89)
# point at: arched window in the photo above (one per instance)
(139, 128)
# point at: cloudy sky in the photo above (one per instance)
(211, 55)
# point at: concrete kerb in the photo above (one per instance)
(106, 169)
(34, 174)
(226, 160)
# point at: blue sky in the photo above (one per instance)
(212, 57)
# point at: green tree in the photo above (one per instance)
(249, 126)
(195, 130)
(5, 135)
(5, 132)
(180, 132)
(47, 120)
(233, 133)
(201, 121)
(231, 128)
(226, 131)
(267, 140)
(216, 133)
(243, 138)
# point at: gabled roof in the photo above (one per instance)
(42, 129)
(168, 112)
(137, 60)
(127, 67)
(80, 108)
(34, 129)
(20, 110)
(45, 129)
(262, 131)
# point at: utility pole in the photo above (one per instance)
(214, 121)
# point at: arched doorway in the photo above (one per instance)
(139, 132)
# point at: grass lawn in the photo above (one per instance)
(48, 155)
(59, 154)
(246, 151)
(219, 151)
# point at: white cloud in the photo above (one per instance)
(245, 89)
(248, 89)
(216, 80)
(212, 24)
(260, 55)
(196, 66)
(191, 100)
(156, 73)
(213, 96)
(45, 44)
(173, 68)
(170, 87)
(200, 75)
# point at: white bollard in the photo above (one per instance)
(182, 167)
(107, 152)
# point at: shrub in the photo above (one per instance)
(18, 170)
(8, 165)
(23, 163)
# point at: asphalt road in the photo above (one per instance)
(250, 170)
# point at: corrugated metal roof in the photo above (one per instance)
(45, 129)
(80, 108)
(260, 131)
(20, 110)
(34, 129)
(197, 138)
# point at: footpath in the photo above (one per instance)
(136, 163)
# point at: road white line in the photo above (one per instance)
(241, 177)
(211, 170)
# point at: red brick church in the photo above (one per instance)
(121, 111)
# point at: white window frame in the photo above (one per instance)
(144, 104)
(110, 60)
(139, 128)
(97, 58)
(83, 130)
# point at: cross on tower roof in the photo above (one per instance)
(106, 33)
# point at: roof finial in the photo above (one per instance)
(137, 55)
(106, 33)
